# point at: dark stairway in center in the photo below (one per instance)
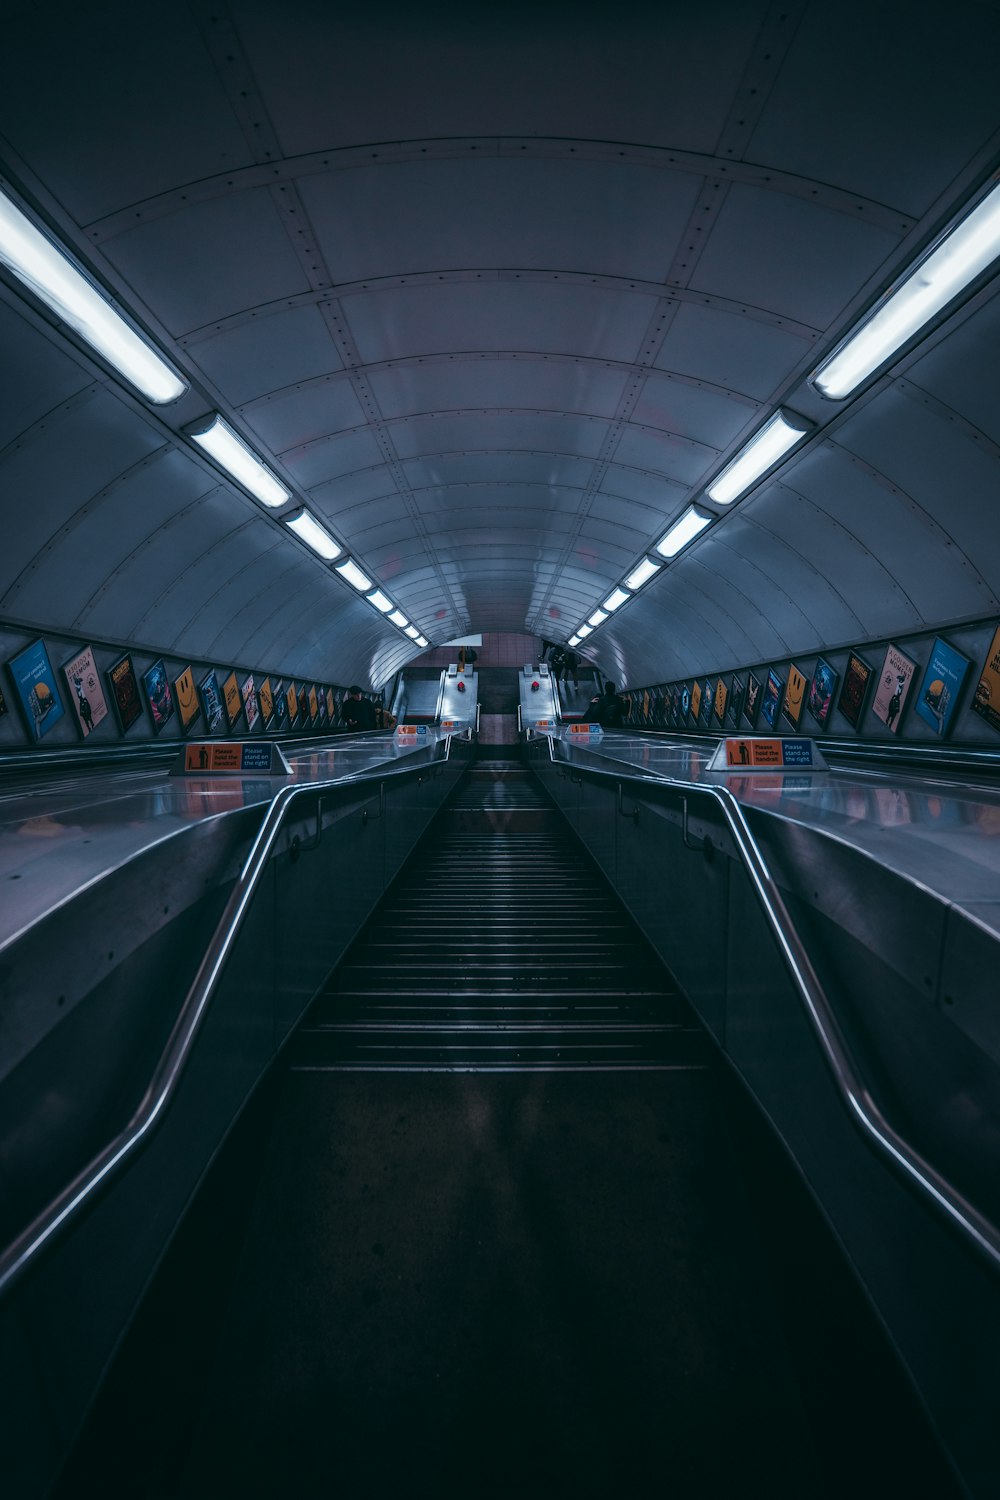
(500, 947)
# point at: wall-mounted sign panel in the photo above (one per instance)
(210, 758)
(748, 752)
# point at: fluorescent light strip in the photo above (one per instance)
(616, 600)
(770, 443)
(381, 601)
(423, 641)
(229, 451)
(585, 630)
(46, 270)
(574, 640)
(308, 529)
(958, 258)
(412, 632)
(643, 573)
(598, 617)
(684, 530)
(353, 575)
(398, 618)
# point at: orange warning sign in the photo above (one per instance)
(753, 752)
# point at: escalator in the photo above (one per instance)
(503, 1225)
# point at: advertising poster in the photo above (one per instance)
(855, 690)
(795, 697)
(695, 701)
(321, 704)
(751, 704)
(250, 704)
(771, 699)
(231, 698)
(941, 686)
(35, 686)
(707, 693)
(736, 698)
(986, 702)
(721, 698)
(211, 703)
(280, 703)
(158, 695)
(821, 691)
(331, 705)
(265, 700)
(124, 687)
(186, 698)
(685, 704)
(86, 695)
(292, 702)
(894, 681)
(313, 704)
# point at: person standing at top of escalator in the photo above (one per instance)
(562, 662)
(607, 709)
(357, 713)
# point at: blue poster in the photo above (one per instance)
(31, 674)
(941, 686)
(773, 693)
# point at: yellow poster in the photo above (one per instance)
(721, 694)
(234, 703)
(186, 698)
(795, 695)
(986, 702)
(291, 698)
(266, 699)
(313, 703)
(695, 700)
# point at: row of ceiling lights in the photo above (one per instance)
(46, 269)
(960, 254)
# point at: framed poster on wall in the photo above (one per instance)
(770, 704)
(158, 695)
(86, 695)
(721, 698)
(250, 704)
(751, 704)
(313, 702)
(707, 690)
(35, 689)
(695, 701)
(231, 698)
(894, 682)
(795, 697)
(125, 699)
(280, 704)
(186, 698)
(211, 703)
(857, 679)
(941, 686)
(292, 702)
(265, 700)
(986, 699)
(821, 691)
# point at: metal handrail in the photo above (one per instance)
(982, 1234)
(16, 1258)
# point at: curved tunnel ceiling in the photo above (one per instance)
(496, 297)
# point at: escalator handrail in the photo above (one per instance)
(855, 1094)
(66, 1206)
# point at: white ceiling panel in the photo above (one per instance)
(521, 468)
(463, 384)
(702, 415)
(664, 457)
(267, 354)
(292, 418)
(502, 430)
(737, 352)
(328, 458)
(588, 216)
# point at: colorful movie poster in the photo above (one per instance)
(231, 698)
(751, 703)
(795, 697)
(941, 686)
(685, 703)
(721, 697)
(986, 701)
(125, 697)
(321, 703)
(211, 703)
(250, 704)
(857, 678)
(707, 691)
(35, 686)
(186, 698)
(86, 695)
(770, 704)
(821, 691)
(280, 703)
(158, 695)
(265, 699)
(695, 700)
(894, 681)
(292, 701)
(736, 698)
(331, 705)
(313, 704)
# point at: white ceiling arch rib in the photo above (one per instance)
(496, 300)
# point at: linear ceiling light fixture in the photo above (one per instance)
(598, 617)
(574, 640)
(585, 630)
(412, 632)
(683, 532)
(641, 574)
(423, 641)
(948, 267)
(239, 460)
(353, 575)
(308, 530)
(381, 601)
(616, 600)
(776, 438)
(398, 618)
(47, 271)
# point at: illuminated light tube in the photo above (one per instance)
(398, 618)
(584, 631)
(684, 530)
(353, 575)
(616, 600)
(381, 601)
(598, 617)
(957, 259)
(308, 529)
(574, 640)
(412, 632)
(776, 438)
(232, 454)
(46, 270)
(643, 573)
(423, 641)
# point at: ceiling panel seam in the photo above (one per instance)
(571, 150)
(738, 307)
(182, 580)
(252, 604)
(969, 431)
(207, 600)
(771, 48)
(39, 428)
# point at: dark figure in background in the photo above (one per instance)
(546, 647)
(562, 662)
(357, 713)
(607, 709)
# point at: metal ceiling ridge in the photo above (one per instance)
(452, 148)
(339, 291)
